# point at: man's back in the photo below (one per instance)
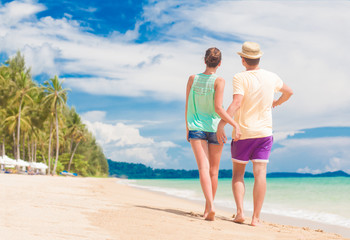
(258, 88)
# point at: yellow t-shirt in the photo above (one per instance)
(255, 114)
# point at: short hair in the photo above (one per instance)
(251, 62)
(212, 57)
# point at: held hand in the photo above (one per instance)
(221, 136)
(274, 104)
(237, 135)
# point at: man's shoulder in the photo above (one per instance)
(240, 74)
(268, 73)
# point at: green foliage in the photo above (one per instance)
(60, 167)
(80, 164)
(28, 110)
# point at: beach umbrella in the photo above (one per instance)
(38, 165)
(42, 165)
(8, 160)
(22, 163)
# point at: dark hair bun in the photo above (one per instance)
(212, 57)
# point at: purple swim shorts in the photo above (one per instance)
(255, 149)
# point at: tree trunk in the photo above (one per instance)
(1, 150)
(71, 144)
(14, 145)
(24, 146)
(19, 127)
(43, 158)
(49, 154)
(3, 147)
(34, 151)
(71, 158)
(57, 142)
(30, 151)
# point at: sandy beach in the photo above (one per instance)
(42, 207)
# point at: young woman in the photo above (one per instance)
(204, 97)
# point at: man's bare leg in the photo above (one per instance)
(259, 170)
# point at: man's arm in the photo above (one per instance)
(287, 92)
(234, 106)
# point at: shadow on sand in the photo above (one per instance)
(192, 215)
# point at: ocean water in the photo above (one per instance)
(325, 199)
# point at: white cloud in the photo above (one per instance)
(308, 170)
(14, 12)
(41, 59)
(94, 116)
(300, 41)
(335, 164)
(119, 134)
(278, 136)
(124, 143)
(312, 155)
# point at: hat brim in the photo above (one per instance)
(250, 56)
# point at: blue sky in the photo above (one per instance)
(127, 64)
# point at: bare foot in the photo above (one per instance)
(206, 211)
(255, 222)
(239, 218)
(205, 214)
(210, 216)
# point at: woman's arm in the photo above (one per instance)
(188, 89)
(219, 95)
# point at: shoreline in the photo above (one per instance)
(265, 217)
(45, 207)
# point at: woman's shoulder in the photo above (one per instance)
(190, 81)
(192, 77)
(219, 79)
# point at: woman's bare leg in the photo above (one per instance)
(238, 189)
(215, 152)
(200, 150)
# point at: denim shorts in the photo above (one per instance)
(210, 137)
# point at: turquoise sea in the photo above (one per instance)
(325, 199)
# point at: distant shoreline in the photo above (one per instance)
(141, 171)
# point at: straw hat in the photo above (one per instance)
(250, 50)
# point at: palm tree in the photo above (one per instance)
(24, 87)
(17, 65)
(2, 130)
(6, 91)
(38, 117)
(56, 97)
(79, 136)
(11, 122)
(75, 132)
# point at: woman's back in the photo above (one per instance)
(201, 113)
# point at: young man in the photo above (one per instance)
(253, 99)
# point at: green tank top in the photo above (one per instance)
(201, 113)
